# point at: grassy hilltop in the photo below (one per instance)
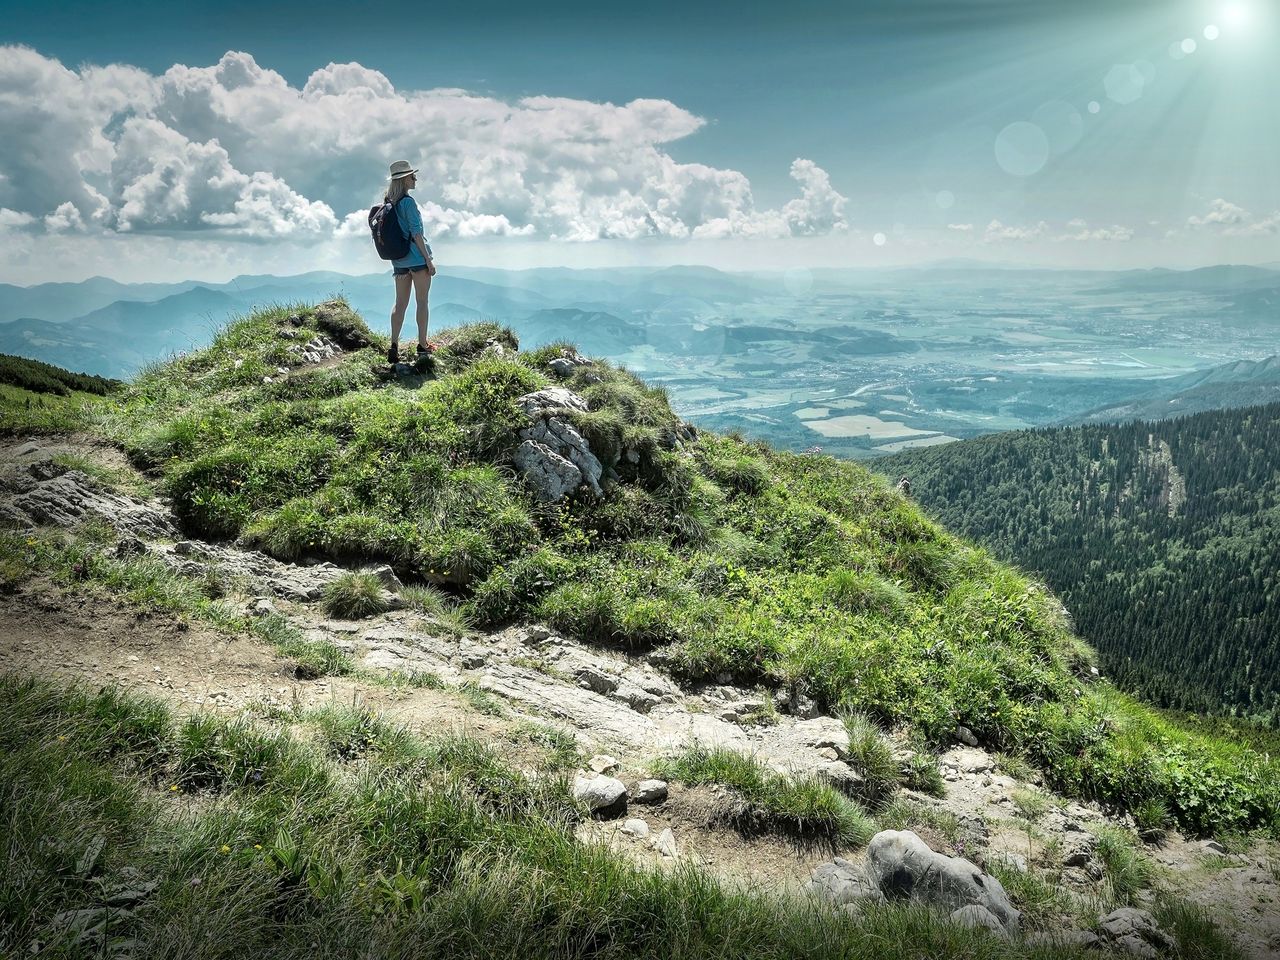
(798, 571)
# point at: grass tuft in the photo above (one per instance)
(354, 595)
(871, 756)
(770, 801)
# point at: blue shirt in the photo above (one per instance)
(411, 223)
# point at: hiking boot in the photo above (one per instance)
(393, 354)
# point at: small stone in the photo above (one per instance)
(262, 607)
(599, 792)
(666, 843)
(966, 736)
(238, 364)
(635, 827)
(603, 763)
(1213, 847)
(650, 791)
(387, 577)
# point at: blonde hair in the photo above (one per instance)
(397, 190)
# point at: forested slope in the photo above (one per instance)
(1163, 538)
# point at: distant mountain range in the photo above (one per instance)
(1242, 383)
(764, 322)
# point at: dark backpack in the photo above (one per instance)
(392, 242)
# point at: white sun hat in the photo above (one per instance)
(400, 169)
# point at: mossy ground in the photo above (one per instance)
(792, 570)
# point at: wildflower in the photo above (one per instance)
(173, 788)
(61, 737)
(257, 846)
(225, 848)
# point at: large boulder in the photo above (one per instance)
(903, 868)
(553, 456)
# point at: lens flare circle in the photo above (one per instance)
(879, 239)
(1211, 32)
(1124, 83)
(945, 199)
(1094, 106)
(1061, 123)
(1022, 149)
(1188, 45)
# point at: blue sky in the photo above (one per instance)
(798, 134)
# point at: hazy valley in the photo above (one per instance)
(859, 363)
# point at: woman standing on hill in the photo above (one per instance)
(415, 268)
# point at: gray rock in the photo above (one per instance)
(1213, 847)
(599, 792)
(387, 577)
(1078, 849)
(563, 439)
(262, 607)
(69, 498)
(554, 442)
(636, 827)
(841, 883)
(591, 678)
(903, 867)
(966, 736)
(551, 398)
(650, 791)
(976, 916)
(666, 843)
(602, 716)
(256, 570)
(968, 760)
(1135, 931)
(549, 475)
(602, 763)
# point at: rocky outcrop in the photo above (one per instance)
(315, 350)
(553, 457)
(256, 571)
(48, 494)
(902, 867)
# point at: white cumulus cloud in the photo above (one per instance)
(998, 232)
(1222, 213)
(233, 148)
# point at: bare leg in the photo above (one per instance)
(404, 283)
(421, 287)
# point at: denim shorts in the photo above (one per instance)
(401, 271)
